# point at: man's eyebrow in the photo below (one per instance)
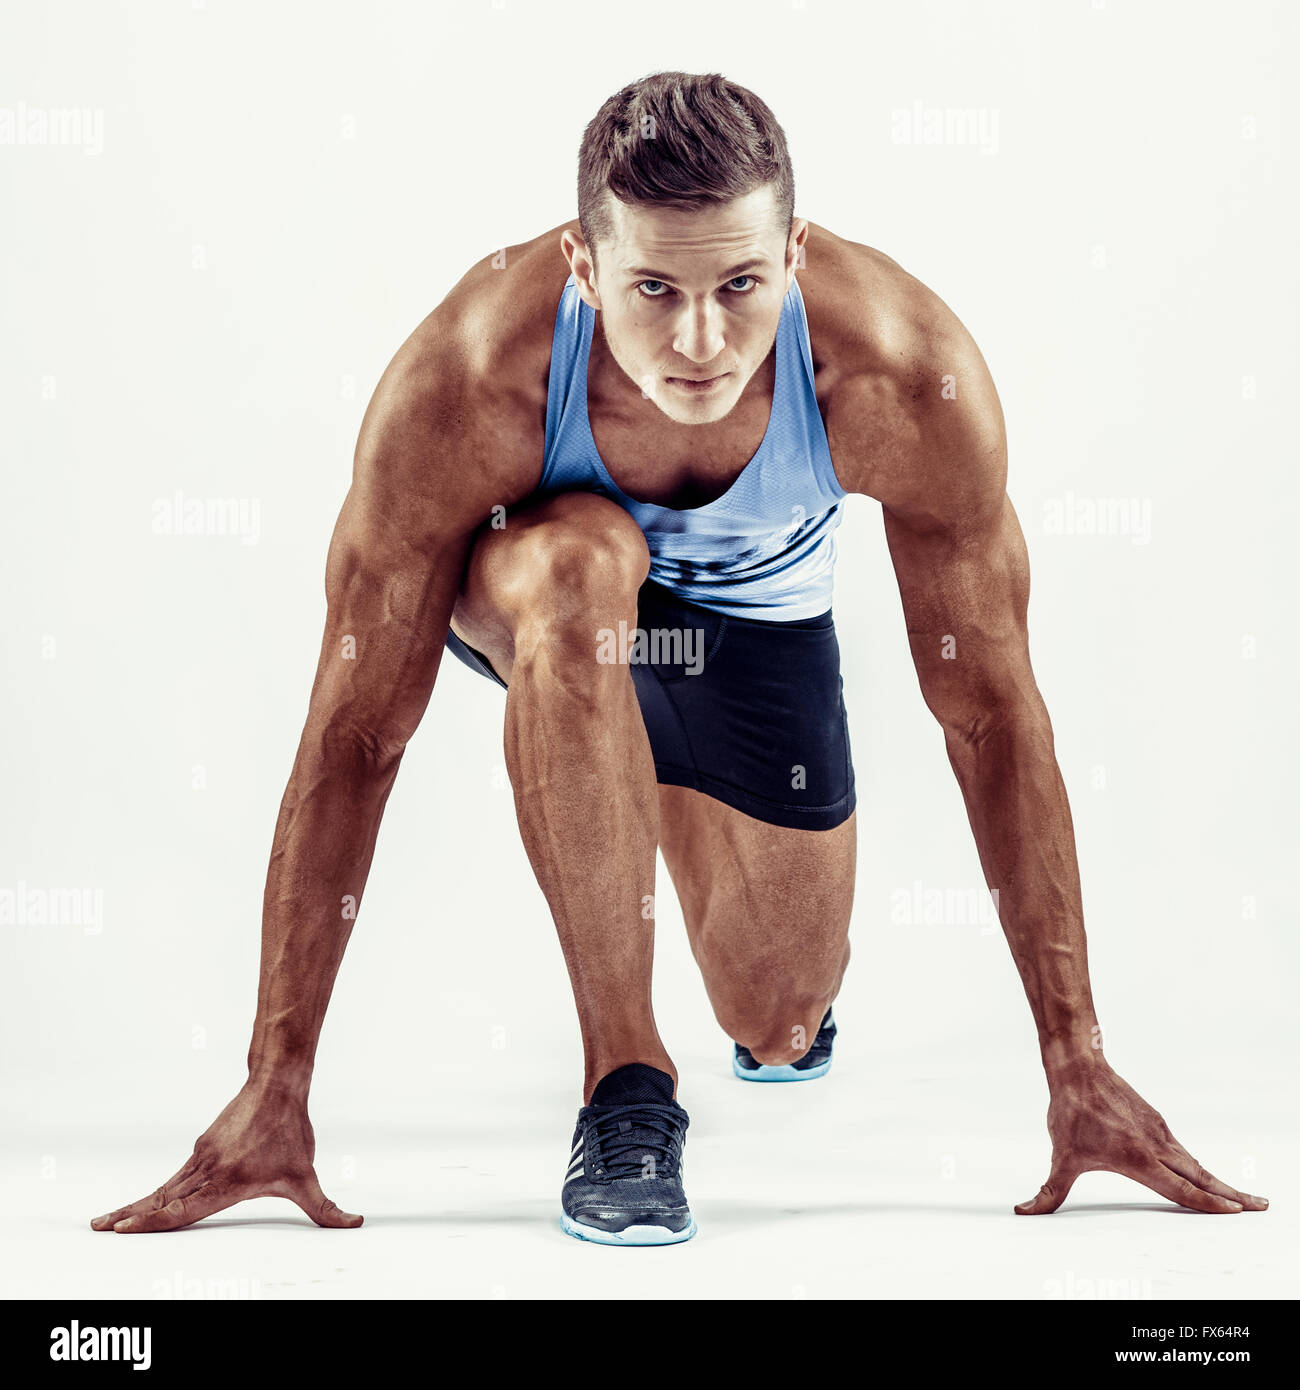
(731, 274)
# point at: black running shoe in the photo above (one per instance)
(814, 1063)
(624, 1184)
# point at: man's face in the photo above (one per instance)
(690, 296)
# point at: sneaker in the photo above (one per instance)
(624, 1184)
(814, 1063)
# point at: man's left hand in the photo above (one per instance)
(1099, 1123)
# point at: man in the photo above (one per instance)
(609, 479)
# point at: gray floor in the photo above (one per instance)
(902, 1187)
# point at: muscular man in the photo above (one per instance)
(607, 471)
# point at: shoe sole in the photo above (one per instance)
(785, 1073)
(630, 1235)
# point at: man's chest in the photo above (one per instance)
(652, 459)
(652, 463)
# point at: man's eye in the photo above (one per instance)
(656, 289)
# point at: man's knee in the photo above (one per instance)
(779, 1030)
(578, 554)
(573, 568)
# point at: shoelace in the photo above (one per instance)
(621, 1157)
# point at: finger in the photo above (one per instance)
(1184, 1164)
(1052, 1193)
(1176, 1187)
(180, 1211)
(317, 1205)
(178, 1184)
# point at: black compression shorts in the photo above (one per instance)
(747, 711)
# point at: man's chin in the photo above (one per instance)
(684, 409)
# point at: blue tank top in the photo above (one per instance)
(764, 549)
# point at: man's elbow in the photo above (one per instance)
(972, 720)
(345, 741)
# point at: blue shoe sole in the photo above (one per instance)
(785, 1073)
(631, 1235)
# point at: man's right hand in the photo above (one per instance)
(261, 1145)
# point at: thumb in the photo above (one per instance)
(323, 1212)
(1052, 1193)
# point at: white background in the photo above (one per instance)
(203, 299)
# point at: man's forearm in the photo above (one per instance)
(1020, 815)
(320, 858)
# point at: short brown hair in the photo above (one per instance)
(682, 139)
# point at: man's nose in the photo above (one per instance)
(699, 333)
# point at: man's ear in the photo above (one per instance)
(582, 263)
(795, 255)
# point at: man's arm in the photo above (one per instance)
(963, 575)
(431, 462)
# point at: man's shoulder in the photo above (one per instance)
(503, 308)
(901, 379)
(462, 404)
(494, 325)
(866, 314)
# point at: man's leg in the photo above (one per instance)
(535, 595)
(767, 911)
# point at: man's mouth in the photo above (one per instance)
(697, 385)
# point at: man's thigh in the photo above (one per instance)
(757, 822)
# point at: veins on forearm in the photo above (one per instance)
(1020, 816)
